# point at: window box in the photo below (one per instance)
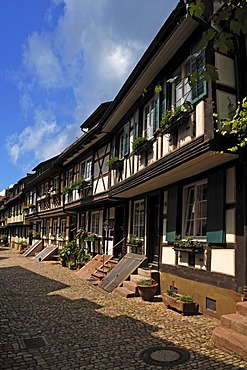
(141, 144)
(187, 245)
(175, 122)
(91, 238)
(189, 250)
(115, 163)
(175, 302)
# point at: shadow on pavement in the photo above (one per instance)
(80, 333)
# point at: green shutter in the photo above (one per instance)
(136, 124)
(197, 64)
(126, 143)
(156, 111)
(113, 147)
(171, 228)
(163, 102)
(216, 208)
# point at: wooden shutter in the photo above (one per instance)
(113, 147)
(197, 64)
(172, 203)
(126, 143)
(136, 123)
(156, 122)
(216, 208)
(163, 101)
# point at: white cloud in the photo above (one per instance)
(78, 62)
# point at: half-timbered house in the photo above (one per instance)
(150, 166)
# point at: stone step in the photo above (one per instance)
(98, 275)
(136, 278)
(144, 272)
(125, 292)
(231, 341)
(236, 322)
(242, 308)
(130, 285)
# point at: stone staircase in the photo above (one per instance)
(232, 334)
(103, 270)
(129, 287)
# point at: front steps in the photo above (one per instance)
(103, 270)
(232, 334)
(129, 287)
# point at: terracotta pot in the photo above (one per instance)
(147, 292)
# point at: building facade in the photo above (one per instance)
(152, 165)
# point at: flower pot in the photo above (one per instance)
(147, 292)
(186, 308)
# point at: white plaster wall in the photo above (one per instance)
(226, 70)
(165, 148)
(223, 261)
(200, 121)
(230, 226)
(168, 256)
(230, 185)
(184, 134)
(223, 99)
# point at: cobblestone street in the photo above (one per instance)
(72, 324)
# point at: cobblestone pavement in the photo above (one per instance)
(76, 325)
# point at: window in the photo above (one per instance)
(95, 223)
(148, 119)
(138, 229)
(63, 228)
(56, 184)
(54, 227)
(182, 91)
(195, 210)
(86, 169)
(71, 178)
(47, 227)
(181, 86)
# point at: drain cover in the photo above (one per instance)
(33, 342)
(165, 356)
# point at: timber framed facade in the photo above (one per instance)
(176, 182)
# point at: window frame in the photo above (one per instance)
(139, 218)
(148, 122)
(186, 207)
(95, 222)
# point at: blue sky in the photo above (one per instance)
(59, 60)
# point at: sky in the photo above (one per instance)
(59, 60)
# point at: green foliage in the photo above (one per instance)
(171, 114)
(138, 142)
(196, 9)
(186, 242)
(186, 298)
(158, 89)
(146, 282)
(235, 128)
(133, 239)
(222, 28)
(112, 161)
(170, 293)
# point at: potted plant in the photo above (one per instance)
(114, 163)
(82, 258)
(135, 243)
(72, 265)
(184, 304)
(141, 144)
(147, 289)
(187, 244)
(175, 117)
(79, 184)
